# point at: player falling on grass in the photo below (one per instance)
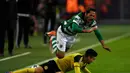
(63, 39)
(74, 61)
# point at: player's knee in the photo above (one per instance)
(39, 70)
(60, 55)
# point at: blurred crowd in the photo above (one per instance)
(22, 18)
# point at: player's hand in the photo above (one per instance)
(95, 27)
(108, 49)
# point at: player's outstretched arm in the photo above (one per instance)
(76, 28)
(90, 30)
(85, 70)
(100, 38)
(77, 67)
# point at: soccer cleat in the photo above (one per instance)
(51, 33)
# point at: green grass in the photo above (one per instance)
(117, 61)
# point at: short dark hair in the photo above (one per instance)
(91, 52)
(90, 9)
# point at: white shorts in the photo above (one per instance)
(63, 40)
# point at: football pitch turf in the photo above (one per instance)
(117, 61)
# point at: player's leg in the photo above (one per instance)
(61, 44)
(52, 41)
(61, 48)
(70, 42)
(57, 43)
(53, 44)
(25, 70)
(39, 70)
(29, 70)
(60, 54)
(58, 46)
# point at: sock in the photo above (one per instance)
(53, 42)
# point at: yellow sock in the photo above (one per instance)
(26, 70)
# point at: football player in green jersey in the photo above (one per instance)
(64, 38)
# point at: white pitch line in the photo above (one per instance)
(92, 46)
(7, 58)
(106, 41)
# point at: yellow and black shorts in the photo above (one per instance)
(50, 67)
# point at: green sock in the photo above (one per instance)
(54, 42)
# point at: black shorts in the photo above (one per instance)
(50, 67)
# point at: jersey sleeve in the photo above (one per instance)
(76, 28)
(77, 58)
(77, 20)
(98, 35)
(93, 23)
(76, 63)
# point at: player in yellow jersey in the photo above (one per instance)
(74, 61)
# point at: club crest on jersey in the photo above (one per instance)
(45, 67)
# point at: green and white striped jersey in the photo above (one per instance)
(77, 21)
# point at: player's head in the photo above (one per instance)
(90, 56)
(90, 14)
